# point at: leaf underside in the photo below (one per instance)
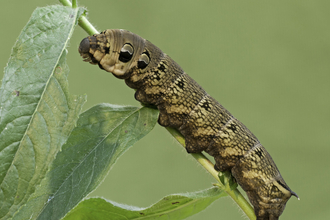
(103, 133)
(172, 207)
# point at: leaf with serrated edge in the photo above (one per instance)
(172, 207)
(37, 114)
(103, 133)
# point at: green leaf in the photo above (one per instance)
(37, 114)
(172, 207)
(103, 133)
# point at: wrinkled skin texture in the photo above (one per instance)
(184, 105)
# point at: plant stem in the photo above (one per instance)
(83, 21)
(206, 163)
(86, 25)
(66, 3)
(74, 3)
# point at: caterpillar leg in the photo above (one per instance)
(192, 145)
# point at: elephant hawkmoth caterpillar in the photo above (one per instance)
(184, 105)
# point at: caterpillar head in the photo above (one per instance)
(116, 51)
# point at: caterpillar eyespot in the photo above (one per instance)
(126, 53)
(183, 104)
(143, 60)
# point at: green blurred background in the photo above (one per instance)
(266, 62)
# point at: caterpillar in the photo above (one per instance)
(184, 105)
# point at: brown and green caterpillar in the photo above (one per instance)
(184, 105)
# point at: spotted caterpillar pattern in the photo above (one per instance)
(184, 105)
